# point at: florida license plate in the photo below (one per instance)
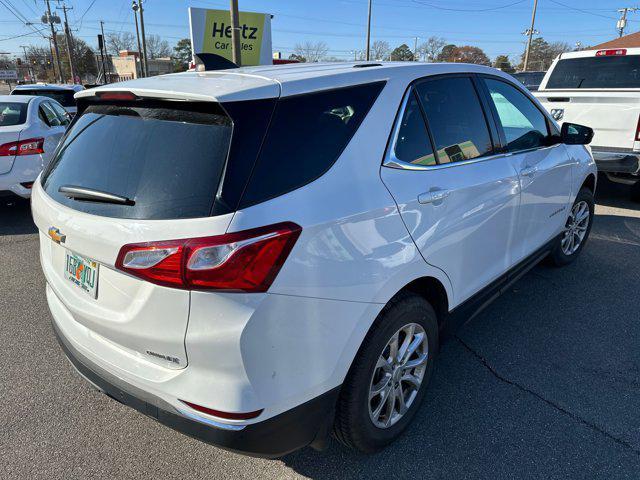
(82, 272)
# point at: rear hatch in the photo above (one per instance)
(601, 91)
(152, 171)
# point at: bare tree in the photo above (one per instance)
(429, 50)
(157, 47)
(120, 41)
(6, 62)
(311, 51)
(380, 50)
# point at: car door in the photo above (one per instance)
(56, 125)
(457, 197)
(543, 165)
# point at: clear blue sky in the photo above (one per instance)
(494, 25)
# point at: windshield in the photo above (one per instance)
(597, 72)
(64, 97)
(167, 159)
(12, 114)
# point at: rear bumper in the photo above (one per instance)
(271, 438)
(617, 160)
(24, 171)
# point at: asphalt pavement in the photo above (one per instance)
(545, 383)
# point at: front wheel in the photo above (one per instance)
(576, 231)
(388, 378)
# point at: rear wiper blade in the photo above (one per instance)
(91, 195)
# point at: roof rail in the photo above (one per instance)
(367, 65)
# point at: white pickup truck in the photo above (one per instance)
(600, 89)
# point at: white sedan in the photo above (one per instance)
(30, 129)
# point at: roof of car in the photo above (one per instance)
(17, 98)
(267, 81)
(49, 86)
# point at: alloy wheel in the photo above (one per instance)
(398, 375)
(576, 228)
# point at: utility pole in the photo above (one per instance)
(368, 54)
(415, 49)
(104, 48)
(55, 41)
(29, 68)
(530, 33)
(67, 36)
(235, 33)
(144, 40)
(622, 23)
(134, 7)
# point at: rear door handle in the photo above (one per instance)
(528, 171)
(433, 196)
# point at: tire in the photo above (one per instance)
(561, 255)
(354, 422)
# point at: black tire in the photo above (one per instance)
(353, 425)
(560, 258)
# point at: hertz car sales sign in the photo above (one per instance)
(211, 33)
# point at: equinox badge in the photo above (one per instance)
(56, 236)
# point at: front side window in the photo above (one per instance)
(60, 112)
(524, 126)
(412, 143)
(456, 119)
(50, 115)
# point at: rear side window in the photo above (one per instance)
(63, 97)
(12, 114)
(50, 115)
(596, 72)
(306, 136)
(412, 143)
(168, 160)
(524, 126)
(456, 119)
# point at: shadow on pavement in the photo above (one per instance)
(15, 217)
(545, 383)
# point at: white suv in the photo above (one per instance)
(262, 256)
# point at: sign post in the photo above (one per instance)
(211, 33)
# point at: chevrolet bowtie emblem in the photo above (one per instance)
(56, 236)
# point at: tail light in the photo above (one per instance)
(31, 146)
(246, 261)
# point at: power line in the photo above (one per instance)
(437, 7)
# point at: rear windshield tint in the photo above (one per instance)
(596, 72)
(64, 97)
(306, 136)
(12, 114)
(168, 160)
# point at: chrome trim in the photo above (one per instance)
(391, 161)
(210, 422)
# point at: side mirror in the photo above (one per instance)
(574, 134)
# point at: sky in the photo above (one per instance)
(496, 26)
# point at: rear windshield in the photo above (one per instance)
(596, 72)
(64, 97)
(167, 160)
(12, 113)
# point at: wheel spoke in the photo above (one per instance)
(416, 362)
(413, 346)
(379, 388)
(393, 348)
(390, 403)
(412, 379)
(383, 401)
(402, 406)
(406, 343)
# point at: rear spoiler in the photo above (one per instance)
(211, 61)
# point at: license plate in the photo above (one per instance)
(82, 272)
